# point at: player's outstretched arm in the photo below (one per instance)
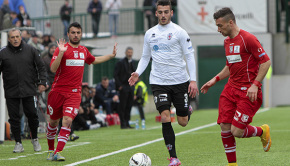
(104, 58)
(54, 66)
(222, 75)
(133, 79)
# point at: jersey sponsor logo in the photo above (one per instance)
(162, 97)
(162, 48)
(76, 54)
(74, 90)
(82, 55)
(50, 109)
(73, 62)
(169, 36)
(236, 49)
(234, 58)
(68, 110)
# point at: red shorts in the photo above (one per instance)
(236, 108)
(63, 104)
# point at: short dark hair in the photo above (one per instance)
(74, 24)
(164, 3)
(129, 48)
(226, 13)
(104, 78)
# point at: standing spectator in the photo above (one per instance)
(140, 99)
(23, 72)
(148, 12)
(106, 96)
(122, 72)
(113, 7)
(5, 7)
(65, 96)
(169, 78)
(34, 42)
(95, 9)
(246, 66)
(47, 59)
(65, 12)
(23, 17)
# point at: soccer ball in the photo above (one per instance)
(140, 159)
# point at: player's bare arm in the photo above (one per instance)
(105, 58)
(252, 92)
(222, 75)
(54, 66)
(192, 89)
(133, 79)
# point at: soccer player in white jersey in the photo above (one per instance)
(65, 96)
(168, 45)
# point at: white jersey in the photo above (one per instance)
(167, 45)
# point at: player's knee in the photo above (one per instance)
(237, 133)
(183, 123)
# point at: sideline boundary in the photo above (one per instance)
(150, 142)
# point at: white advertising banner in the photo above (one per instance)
(196, 16)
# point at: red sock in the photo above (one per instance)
(252, 131)
(62, 138)
(229, 143)
(50, 135)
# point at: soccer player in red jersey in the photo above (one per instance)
(246, 66)
(65, 96)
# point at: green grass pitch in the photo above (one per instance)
(198, 144)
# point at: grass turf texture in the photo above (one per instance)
(196, 148)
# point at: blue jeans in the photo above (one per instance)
(65, 24)
(113, 19)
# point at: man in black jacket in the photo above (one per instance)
(95, 9)
(122, 73)
(23, 71)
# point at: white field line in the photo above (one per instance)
(70, 146)
(149, 142)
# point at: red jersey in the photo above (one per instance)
(69, 75)
(244, 54)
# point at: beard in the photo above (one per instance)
(74, 42)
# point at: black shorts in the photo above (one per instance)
(164, 95)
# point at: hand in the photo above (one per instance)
(61, 46)
(133, 79)
(192, 89)
(115, 50)
(252, 93)
(207, 85)
(116, 98)
(41, 88)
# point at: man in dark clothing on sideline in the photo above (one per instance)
(23, 71)
(95, 9)
(65, 12)
(106, 96)
(122, 73)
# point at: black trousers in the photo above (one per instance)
(125, 105)
(30, 111)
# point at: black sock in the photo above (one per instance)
(169, 138)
